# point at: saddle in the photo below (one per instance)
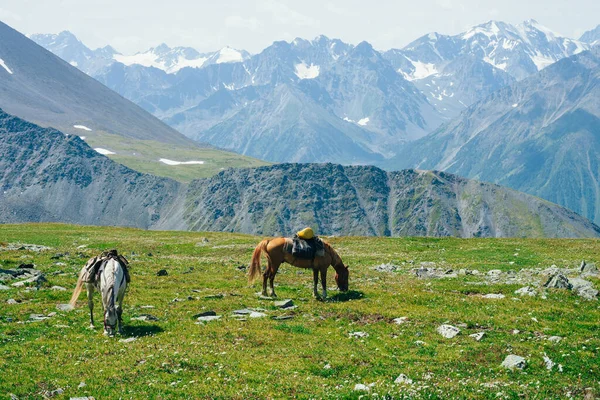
(305, 249)
(95, 265)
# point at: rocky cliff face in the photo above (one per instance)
(46, 175)
(539, 136)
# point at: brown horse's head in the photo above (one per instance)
(341, 278)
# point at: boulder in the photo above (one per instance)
(526, 291)
(558, 281)
(514, 362)
(448, 331)
(477, 336)
(403, 380)
(283, 303)
(162, 272)
(584, 288)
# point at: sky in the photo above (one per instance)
(136, 25)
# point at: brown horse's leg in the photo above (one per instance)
(265, 277)
(315, 283)
(324, 282)
(274, 269)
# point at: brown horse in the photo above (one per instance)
(276, 255)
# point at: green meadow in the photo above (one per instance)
(313, 354)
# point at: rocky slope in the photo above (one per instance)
(38, 86)
(46, 175)
(540, 136)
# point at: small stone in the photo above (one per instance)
(128, 340)
(358, 334)
(283, 303)
(26, 266)
(403, 380)
(584, 288)
(208, 318)
(448, 331)
(513, 361)
(214, 296)
(81, 385)
(58, 288)
(11, 301)
(205, 314)
(477, 336)
(548, 362)
(554, 339)
(526, 291)
(53, 393)
(282, 317)
(327, 366)
(244, 311)
(162, 272)
(145, 317)
(256, 314)
(83, 398)
(64, 307)
(420, 343)
(361, 387)
(515, 331)
(475, 272)
(494, 296)
(3, 287)
(400, 321)
(462, 271)
(386, 268)
(38, 317)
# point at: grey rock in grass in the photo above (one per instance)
(128, 340)
(358, 334)
(244, 311)
(64, 307)
(205, 314)
(214, 296)
(208, 318)
(58, 288)
(162, 272)
(513, 361)
(389, 267)
(548, 362)
(145, 317)
(256, 314)
(361, 387)
(282, 317)
(283, 303)
(11, 301)
(53, 393)
(38, 317)
(403, 380)
(448, 331)
(3, 287)
(588, 269)
(400, 321)
(83, 398)
(477, 336)
(583, 288)
(558, 281)
(494, 296)
(554, 339)
(526, 291)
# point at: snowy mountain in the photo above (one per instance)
(511, 52)
(592, 37)
(69, 48)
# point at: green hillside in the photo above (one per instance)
(312, 354)
(144, 156)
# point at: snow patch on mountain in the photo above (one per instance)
(363, 121)
(171, 162)
(422, 70)
(304, 71)
(3, 65)
(229, 55)
(104, 151)
(83, 127)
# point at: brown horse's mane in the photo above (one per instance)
(337, 260)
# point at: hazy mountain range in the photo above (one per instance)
(46, 175)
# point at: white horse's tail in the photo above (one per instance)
(78, 287)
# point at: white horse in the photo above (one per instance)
(111, 284)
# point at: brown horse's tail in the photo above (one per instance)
(255, 269)
(78, 288)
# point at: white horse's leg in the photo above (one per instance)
(90, 296)
(120, 308)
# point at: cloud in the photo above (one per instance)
(235, 21)
(285, 15)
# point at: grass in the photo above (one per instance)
(143, 156)
(311, 355)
